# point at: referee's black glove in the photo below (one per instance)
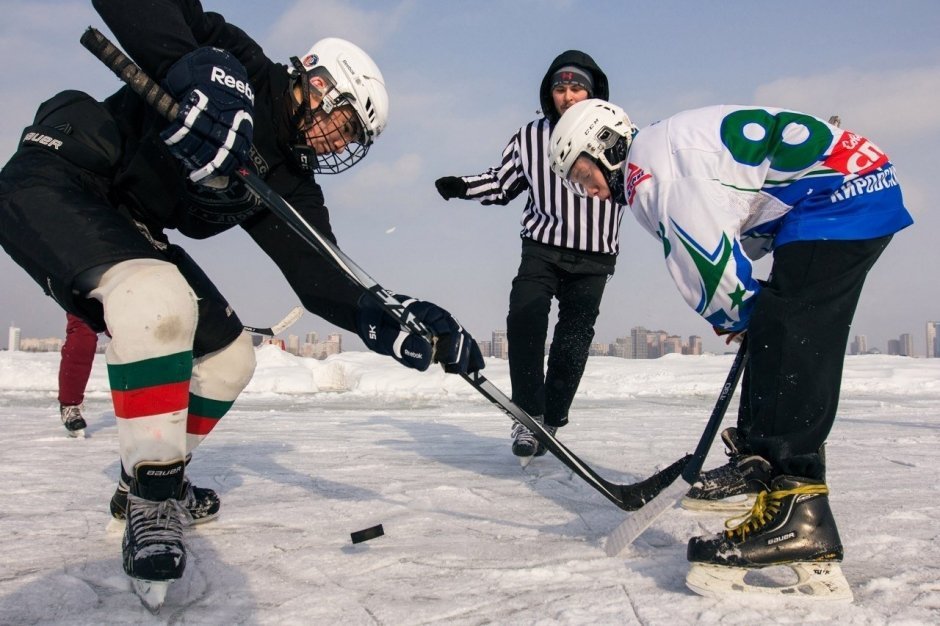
(451, 187)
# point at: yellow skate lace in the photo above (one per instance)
(765, 508)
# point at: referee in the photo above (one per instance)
(569, 249)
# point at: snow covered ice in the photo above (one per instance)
(314, 450)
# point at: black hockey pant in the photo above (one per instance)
(577, 280)
(796, 344)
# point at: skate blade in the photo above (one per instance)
(815, 581)
(525, 460)
(76, 434)
(732, 504)
(202, 520)
(152, 593)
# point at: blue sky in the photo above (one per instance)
(462, 77)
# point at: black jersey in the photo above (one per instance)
(151, 185)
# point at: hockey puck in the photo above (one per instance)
(366, 534)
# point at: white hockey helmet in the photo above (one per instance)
(597, 128)
(355, 79)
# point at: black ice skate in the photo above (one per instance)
(789, 525)
(200, 504)
(73, 420)
(732, 487)
(153, 550)
(524, 443)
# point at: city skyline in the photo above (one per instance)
(903, 344)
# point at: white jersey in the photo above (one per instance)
(723, 185)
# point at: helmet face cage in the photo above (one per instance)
(354, 83)
(322, 122)
(330, 162)
(334, 163)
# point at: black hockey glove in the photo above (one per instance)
(451, 187)
(212, 133)
(453, 347)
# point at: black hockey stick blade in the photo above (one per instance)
(639, 495)
(627, 497)
(632, 527)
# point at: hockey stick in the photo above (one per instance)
(628, 497)
(292, 316)
(636, 523)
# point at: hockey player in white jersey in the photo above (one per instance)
(720, 187)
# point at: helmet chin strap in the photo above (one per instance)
(302, 110)
(615, 184)
(301, 117)
(615, 155)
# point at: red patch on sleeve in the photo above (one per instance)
(853, 154)
(635, 176)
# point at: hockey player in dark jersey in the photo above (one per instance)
(569, 250)
(85, 203)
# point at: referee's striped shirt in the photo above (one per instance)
(553, 214)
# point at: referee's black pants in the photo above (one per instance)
(577, 280)
(796, 347)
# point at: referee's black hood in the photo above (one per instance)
(582, 60)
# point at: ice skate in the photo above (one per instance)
(733, 487)
(201, 504)
(524, 443)
(153, 551)
(791, 525)
(73, 420)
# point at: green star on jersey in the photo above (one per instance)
(710, 266)
(737, 296)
